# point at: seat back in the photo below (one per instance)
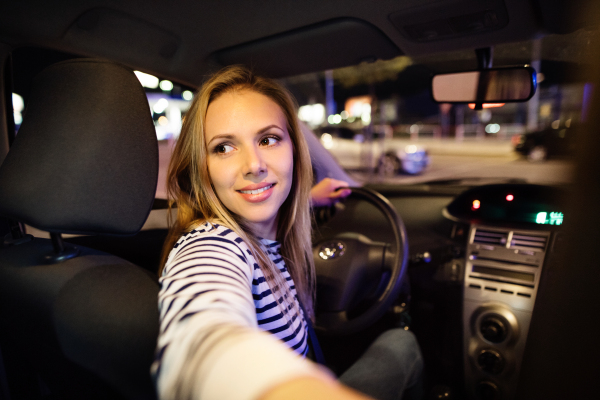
(85, 161)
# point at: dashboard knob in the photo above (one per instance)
(490, 361)
(493, 329)
(487, 391)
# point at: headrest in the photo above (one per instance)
(85, 159)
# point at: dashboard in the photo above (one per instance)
(473, 295)
(511, 231)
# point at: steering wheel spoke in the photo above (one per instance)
(350, 267)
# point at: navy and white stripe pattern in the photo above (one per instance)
(213, 286)
(268, 313)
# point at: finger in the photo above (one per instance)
(342, 188)
(338, 183)
(341, 192)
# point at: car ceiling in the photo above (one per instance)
(184, 40)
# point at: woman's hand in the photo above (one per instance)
(328, 192)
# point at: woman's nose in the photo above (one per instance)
(254, 163)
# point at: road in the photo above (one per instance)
(477, 166)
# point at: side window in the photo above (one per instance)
(168, 102)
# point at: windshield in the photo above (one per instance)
(380, 123)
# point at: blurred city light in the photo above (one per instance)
(160, 106)
(327, 140)
(337, 118)
(187, 95)
(410, 149)
(167, 113)
(540, 77)
(312, 114)
(18, 105)
(175, 115)
(166, 85)
(545, 110)
(359, 107)
(344, 114)
(147, 80)
(556, 124)
(486, 105)
(492, 128)
(366, 118)
(484, 115)
(355, 106)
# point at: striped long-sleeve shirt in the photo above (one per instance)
(215, 309)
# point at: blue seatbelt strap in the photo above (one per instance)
(312, 338)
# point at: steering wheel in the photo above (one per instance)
(347, 263)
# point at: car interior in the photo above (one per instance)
(500, 293)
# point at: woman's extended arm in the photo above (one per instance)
(210, 346)
(314, 389)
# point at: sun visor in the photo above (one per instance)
(85, 159)
(327, 45)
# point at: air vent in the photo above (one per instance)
(528, 241)
(490, 237)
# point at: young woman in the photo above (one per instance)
(237, 286)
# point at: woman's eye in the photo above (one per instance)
(269, 141)
(223, 149)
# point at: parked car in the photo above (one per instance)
(547, 143)
(388, 156)
(499, 282)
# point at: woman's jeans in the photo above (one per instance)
(390, 369)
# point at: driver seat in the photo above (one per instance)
(76, 322)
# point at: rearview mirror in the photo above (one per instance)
(497, 85)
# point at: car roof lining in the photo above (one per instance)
(182, 40)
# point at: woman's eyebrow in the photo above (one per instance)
(230, 136)
(221, 136)
(266, 128)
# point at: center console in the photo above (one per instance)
(502, 273)
(511, 232)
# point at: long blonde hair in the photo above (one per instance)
(189, 185)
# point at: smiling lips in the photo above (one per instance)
(257, 193)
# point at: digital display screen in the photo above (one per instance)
(510, 203)
(505, 273)
(549, 218)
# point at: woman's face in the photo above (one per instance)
(250, 157)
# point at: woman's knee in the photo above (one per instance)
(403, 346)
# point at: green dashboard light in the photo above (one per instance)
(541, 218)
(553, 218)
